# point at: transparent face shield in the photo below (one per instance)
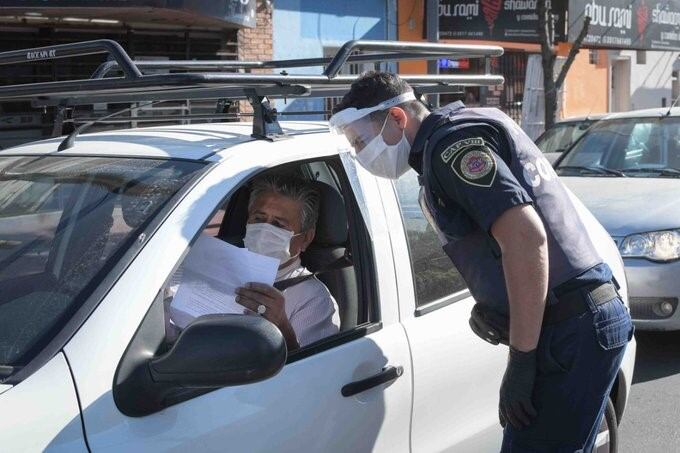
(356, 124)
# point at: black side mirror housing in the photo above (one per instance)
(214, 351)
(222, 350)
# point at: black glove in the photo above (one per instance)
(516, 389)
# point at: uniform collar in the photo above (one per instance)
(428, 126)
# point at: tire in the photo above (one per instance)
(608, 437)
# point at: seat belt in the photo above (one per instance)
(341, 263)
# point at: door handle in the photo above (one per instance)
(388, 374)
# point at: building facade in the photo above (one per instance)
(147, 29)
(628, 60)
(252, 30)
(309, 29)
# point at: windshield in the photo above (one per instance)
(64, 222)
(561, 136)
(639, 147)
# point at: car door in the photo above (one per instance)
(41, 412)
(301, 408)
(456, 375)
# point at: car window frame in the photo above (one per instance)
(364, 268)
(362, 255)
(102, 287)
(153, 322)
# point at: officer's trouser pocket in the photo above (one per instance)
(558, 347)
(613, 326)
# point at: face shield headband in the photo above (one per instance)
(355, 124)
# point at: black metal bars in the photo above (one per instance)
(426, 51)
(135, 86)
(77, 49)
(232, 86)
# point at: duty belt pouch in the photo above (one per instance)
(489, 325)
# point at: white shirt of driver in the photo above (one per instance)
(310, 307)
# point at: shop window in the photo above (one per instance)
(593, 56)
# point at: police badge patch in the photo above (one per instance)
(475, 165)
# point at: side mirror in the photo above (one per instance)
(222, 350)
(214, 351)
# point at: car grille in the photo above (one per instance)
(650, 307)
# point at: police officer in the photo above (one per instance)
(519, 241)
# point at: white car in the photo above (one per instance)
(94, 226)
(93, 234)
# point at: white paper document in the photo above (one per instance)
(210, 274)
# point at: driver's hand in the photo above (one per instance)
(253, 295)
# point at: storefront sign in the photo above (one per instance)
(496, 20)
(627, 24)
(619, 24)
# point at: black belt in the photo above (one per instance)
(574, 302)
(493, 327)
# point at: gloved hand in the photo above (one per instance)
(515, 404)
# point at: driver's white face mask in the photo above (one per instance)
(387, 161)
(269, 240)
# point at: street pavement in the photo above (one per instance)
(651, 422)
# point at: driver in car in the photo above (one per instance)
(282, 215)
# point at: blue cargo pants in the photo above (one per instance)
(577, 363)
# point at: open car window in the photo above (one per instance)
(326, 305)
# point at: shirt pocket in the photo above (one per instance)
(613, 326)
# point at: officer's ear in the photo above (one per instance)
(399, 116)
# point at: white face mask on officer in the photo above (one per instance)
(387, 161)
(376, 156)
(269, 240)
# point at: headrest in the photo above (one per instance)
(331, 228)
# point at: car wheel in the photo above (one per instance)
(608, 437)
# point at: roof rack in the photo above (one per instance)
(211, 82)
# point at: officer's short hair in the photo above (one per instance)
(374, 87)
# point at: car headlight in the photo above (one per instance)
(656, 245)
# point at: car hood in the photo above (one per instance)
(629, 205)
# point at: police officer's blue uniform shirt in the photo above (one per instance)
(478, 170)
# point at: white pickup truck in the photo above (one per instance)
(90, 235)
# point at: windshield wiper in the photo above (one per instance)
(597, 170)
(665, 171)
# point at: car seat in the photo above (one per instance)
(329, 257)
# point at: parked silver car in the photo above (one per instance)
(564, 133)
(626, 170)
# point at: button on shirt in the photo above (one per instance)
(310, 307)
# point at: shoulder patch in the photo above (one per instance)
(475, 165)
(458, 146)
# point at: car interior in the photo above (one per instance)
(329, 256)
